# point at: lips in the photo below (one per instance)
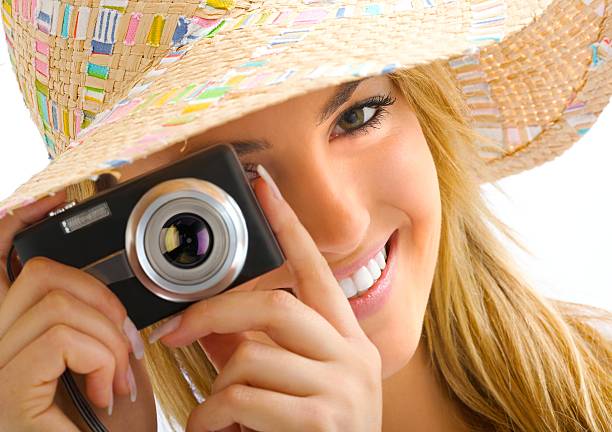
(347, 271)
(376, 297)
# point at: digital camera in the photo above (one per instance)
(165, 239)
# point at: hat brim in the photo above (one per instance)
(534, 74)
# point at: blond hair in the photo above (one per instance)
(512, 359)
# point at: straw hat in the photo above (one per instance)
(111, 81)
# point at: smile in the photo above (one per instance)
(362, 274)
(365, 277)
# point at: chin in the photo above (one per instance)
(397, 331)
(398, 356)
(397, 344)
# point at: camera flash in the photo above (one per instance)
(86, 218)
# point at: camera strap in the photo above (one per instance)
(81, 404)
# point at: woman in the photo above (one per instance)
(461, 342)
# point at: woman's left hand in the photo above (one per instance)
(321, 374)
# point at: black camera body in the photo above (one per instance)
(165, 239)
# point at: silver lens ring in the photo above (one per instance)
(159, 269)
(228, 229)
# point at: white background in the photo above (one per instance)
(560, 210)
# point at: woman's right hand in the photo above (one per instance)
(55, 317)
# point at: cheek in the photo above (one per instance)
(407, 188)
(405, 175)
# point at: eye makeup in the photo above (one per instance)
(378, 102)
(251, 170)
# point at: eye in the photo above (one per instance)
(250, 170)
(355, 118)
(363, 116)
(358, 119)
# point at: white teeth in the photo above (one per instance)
(380, 259)
(348, 287)
(374, 269)
(362, 279)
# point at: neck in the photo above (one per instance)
(413, 400)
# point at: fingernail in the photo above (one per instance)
(163, 330)
(110, 404)
(134, 336)
(132, 383)
(268, 179)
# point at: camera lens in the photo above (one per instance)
(186, 240)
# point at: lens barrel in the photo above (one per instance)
(186, 239)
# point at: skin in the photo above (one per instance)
(55, 317)
(355, 374)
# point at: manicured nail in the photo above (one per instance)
(268, 179)
(134, 336)
(163, 330)
(132, 383)
(110, 404)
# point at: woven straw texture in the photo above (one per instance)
(111, 81)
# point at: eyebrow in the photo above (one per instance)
(339, 98)
(244, 147)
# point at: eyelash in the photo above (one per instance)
(373, 102)
(250, 168)
(373, 123)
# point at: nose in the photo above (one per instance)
(328, 202)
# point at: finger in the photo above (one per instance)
(258, 409)
(59, 307)
(316, 285)
(41, 363)
(42, 275)
(220, 347)
(54, 420)
(234, 428)
(286, 320)
(262, 366)
(21, 218)
(277, 278)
